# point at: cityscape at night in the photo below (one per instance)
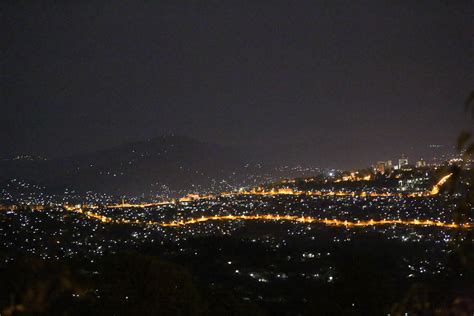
(237, 158)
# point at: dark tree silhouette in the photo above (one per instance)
(454, 294)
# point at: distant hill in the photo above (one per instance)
(168, 164)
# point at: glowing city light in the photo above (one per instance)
(270, 217)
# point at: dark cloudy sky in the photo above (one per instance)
(353, 79)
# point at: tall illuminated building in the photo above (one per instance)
(421, 163)
(380, 167)
(402, 162)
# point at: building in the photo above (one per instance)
(388, 166)
(402, 162)
(380, 167)
(383, 167)
(421, 163)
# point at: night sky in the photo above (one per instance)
(323, 82)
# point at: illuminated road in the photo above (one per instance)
(287, 191)
(270, 217)
(310, 220)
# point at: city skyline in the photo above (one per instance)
(209, 158)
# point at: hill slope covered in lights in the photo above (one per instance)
(168, 164)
